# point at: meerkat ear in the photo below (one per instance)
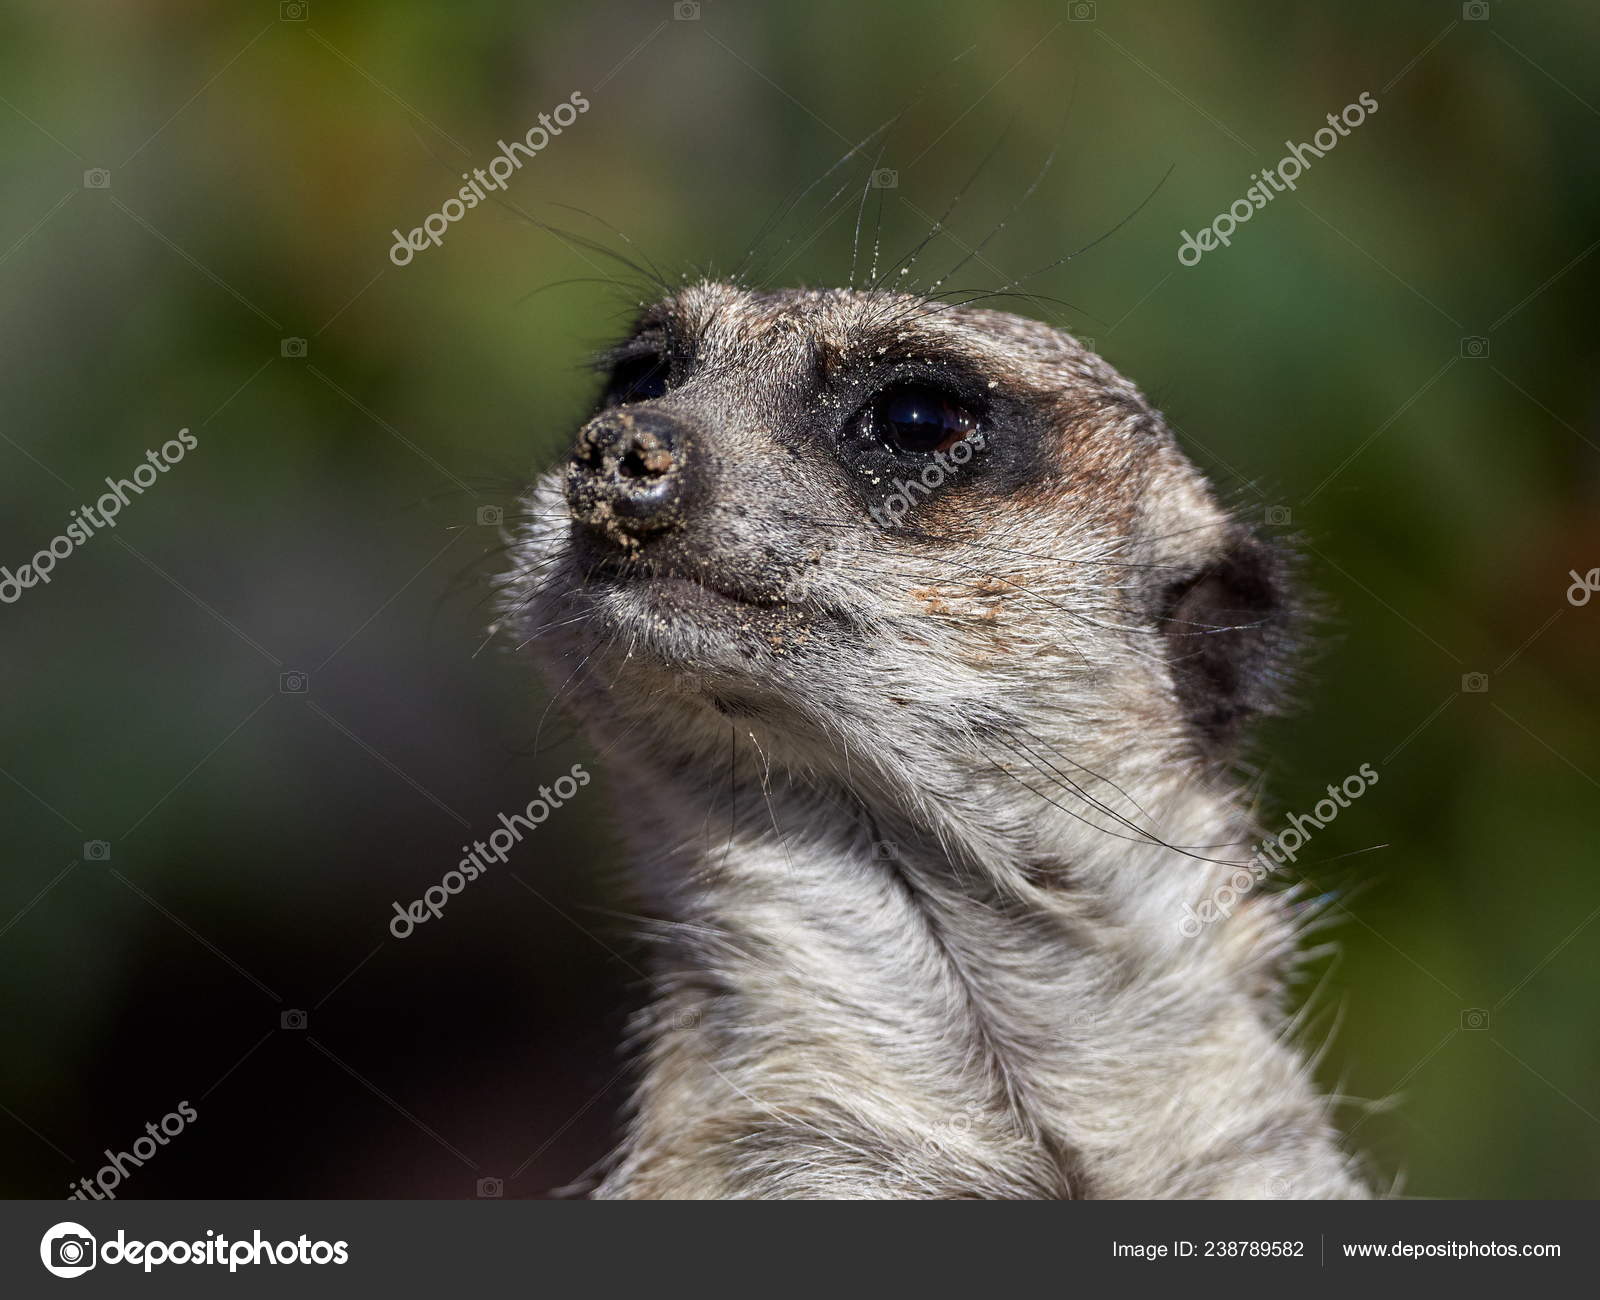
(1229, 629)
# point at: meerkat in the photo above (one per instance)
(920, 657)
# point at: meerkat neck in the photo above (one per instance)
(850, 1003)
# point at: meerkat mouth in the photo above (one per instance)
(700, 623)
(691, 590)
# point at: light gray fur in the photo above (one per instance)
(1002, 1005)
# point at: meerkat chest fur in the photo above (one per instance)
(920, 655)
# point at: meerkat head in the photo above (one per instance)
(879, 531)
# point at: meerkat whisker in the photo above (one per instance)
(1099, 239)
(909, 258)
(781, 213)
(1093, 775)
(1056, 778)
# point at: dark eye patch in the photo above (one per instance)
(639, 369)
(637, 379)
(933, 427)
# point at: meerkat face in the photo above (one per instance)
(827, 510)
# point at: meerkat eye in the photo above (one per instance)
(637, 379)
(917, 419)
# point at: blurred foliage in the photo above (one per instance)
(328, 521)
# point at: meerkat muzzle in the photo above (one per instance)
(627, 475)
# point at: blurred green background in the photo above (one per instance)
(1397, 364)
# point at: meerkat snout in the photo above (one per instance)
(629, 472)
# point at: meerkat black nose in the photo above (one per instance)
(628, 472)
